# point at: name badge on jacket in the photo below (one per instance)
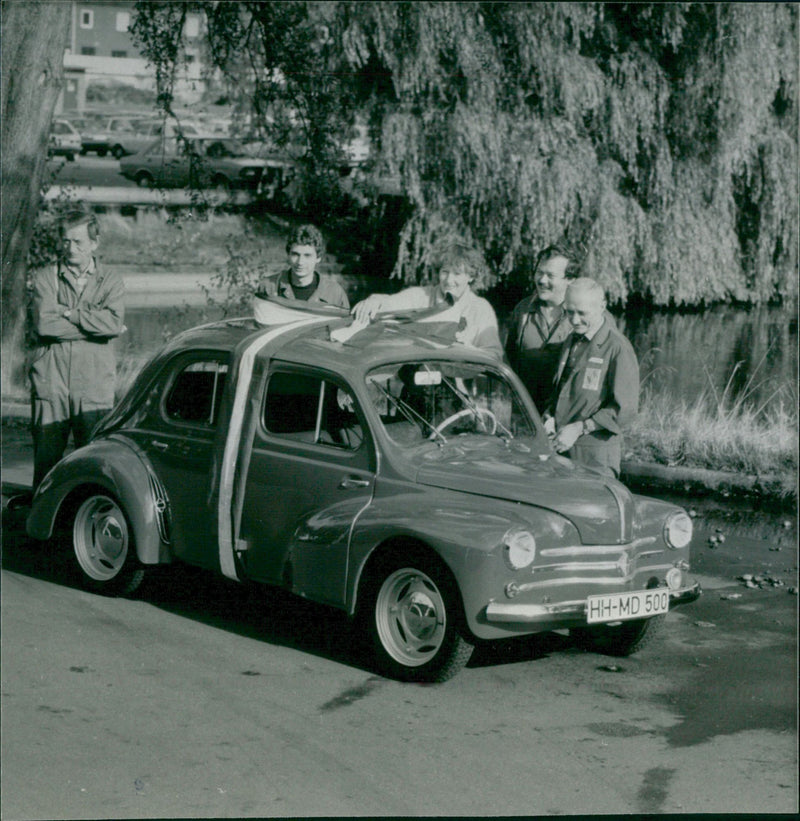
(591, 379)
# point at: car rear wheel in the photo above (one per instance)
(622, 639)
(101, 152)
(118, 151)
(144, 180)
(70, 157)
(412, 609)
(103, 545)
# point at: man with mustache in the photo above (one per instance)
(77, 310)
(538, 325)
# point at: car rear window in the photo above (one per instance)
(195, 394)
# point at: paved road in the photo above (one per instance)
(202, 698)
(88, 170)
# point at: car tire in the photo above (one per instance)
(144, 180)
(101, 152)
(70, 158)
(103, 546)
(623, 639)
(412, 613)
(222, 185)
(118, 151)
(84, 152)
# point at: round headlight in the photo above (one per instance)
(674, 578)
(678, 529)
(520, 548)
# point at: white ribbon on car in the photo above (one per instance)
(226, 526)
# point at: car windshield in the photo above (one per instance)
(221, 148)
(430, 400)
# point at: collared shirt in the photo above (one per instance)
(533, 345)
(328, 291)
(481, 329)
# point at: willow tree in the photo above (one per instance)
(660, 139)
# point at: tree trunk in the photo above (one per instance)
(34, 36)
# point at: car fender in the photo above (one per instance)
(119, 465)
(461, 529)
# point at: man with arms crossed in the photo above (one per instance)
(597, 383)
(77, 309)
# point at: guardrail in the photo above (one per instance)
(118, 195)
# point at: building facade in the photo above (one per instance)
(101, 51)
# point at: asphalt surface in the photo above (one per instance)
(202, 698)
(87, 170)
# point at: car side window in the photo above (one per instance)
(308, 408)
(194, 395)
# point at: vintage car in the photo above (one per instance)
(384, 470)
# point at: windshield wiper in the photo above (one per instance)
(409, 413)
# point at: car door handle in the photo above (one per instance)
(353, 481)
(160, 445)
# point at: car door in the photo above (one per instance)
(173, 170)
(312, 470)
(180, 444)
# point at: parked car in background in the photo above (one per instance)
(121, 136)
(203, 161)
(64, 140)
(386, 472)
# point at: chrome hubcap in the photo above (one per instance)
(100, 538)
(411, 617)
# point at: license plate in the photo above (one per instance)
(621, 606)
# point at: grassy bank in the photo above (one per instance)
(718, 434)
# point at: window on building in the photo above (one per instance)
(118, 53)
(192, 26)
(88, 50)
(87, 19)
(123, 20)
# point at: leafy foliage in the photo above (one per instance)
(659, 139)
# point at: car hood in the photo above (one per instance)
(598, 506)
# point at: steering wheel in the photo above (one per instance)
(461, 414)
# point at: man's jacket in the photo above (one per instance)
(603, 386)
(328, 291)
(73, 357)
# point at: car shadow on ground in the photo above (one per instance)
(256, 611)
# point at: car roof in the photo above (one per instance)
(382, 342)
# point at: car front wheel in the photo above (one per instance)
(118, 151)
(103, 544)
(412, 608)
(144, 180)
(622, 639)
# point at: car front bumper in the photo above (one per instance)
(558, 612)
